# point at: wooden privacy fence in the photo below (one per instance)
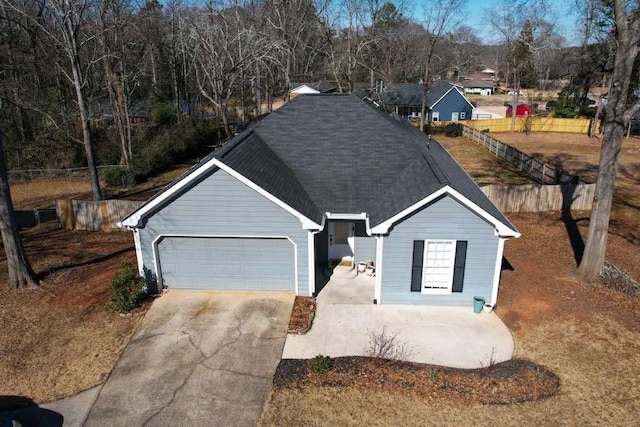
(541, 198)
(105, 215)
(533, 124)
(93, 216)
(542, 172)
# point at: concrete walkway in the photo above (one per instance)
(447, 336)
(198, 359)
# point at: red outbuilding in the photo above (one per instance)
(523, 110)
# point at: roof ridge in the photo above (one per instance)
(433, 165)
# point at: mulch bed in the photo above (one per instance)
(512, 381)
(304, 310)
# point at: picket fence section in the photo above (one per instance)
(542, 172)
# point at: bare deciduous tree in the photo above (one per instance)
(625, 32)
(20, 272)
(440, 17)
(62, 21)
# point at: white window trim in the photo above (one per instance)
(435, 116)
(462, 115)
(437, 291)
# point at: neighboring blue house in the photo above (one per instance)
(326, 178)
(445, 101)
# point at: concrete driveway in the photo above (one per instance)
(198, 359)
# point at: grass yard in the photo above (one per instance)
(484, 167)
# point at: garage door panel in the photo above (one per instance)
(227, 263)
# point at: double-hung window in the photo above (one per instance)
(438, 266)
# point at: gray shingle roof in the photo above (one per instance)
(339, 154)
(410, 94)
(344, 156)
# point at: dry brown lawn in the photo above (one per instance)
(484, 167)
(579, 155)
(42, 193)
(62, 339)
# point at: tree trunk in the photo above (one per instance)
(616, 117)
(71, 45)
(86, 133)
(117, 99)
(592, 263)
(20, 272)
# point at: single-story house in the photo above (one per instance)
(326, 179)
(478, 87)
(522, 110)
(311, 88)
(445, 101)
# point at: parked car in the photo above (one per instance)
(515, 92)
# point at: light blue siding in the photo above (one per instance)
(446, 218)
(364, 245)
(365, 249)
(221, 206)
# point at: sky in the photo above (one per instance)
(564, 14)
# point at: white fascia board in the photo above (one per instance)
(135, 219)
(307, 224)
(347, 216)
(501, 229)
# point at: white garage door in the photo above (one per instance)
(227, 263)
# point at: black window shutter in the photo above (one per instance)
(416, 265)
(458, 266)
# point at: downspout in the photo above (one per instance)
(311, 254)
(378, 285)
(497, 271)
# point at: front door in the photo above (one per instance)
(341, 241)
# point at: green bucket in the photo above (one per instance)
(478, 303)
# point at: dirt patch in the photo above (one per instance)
(538, 279)
(508, 382)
